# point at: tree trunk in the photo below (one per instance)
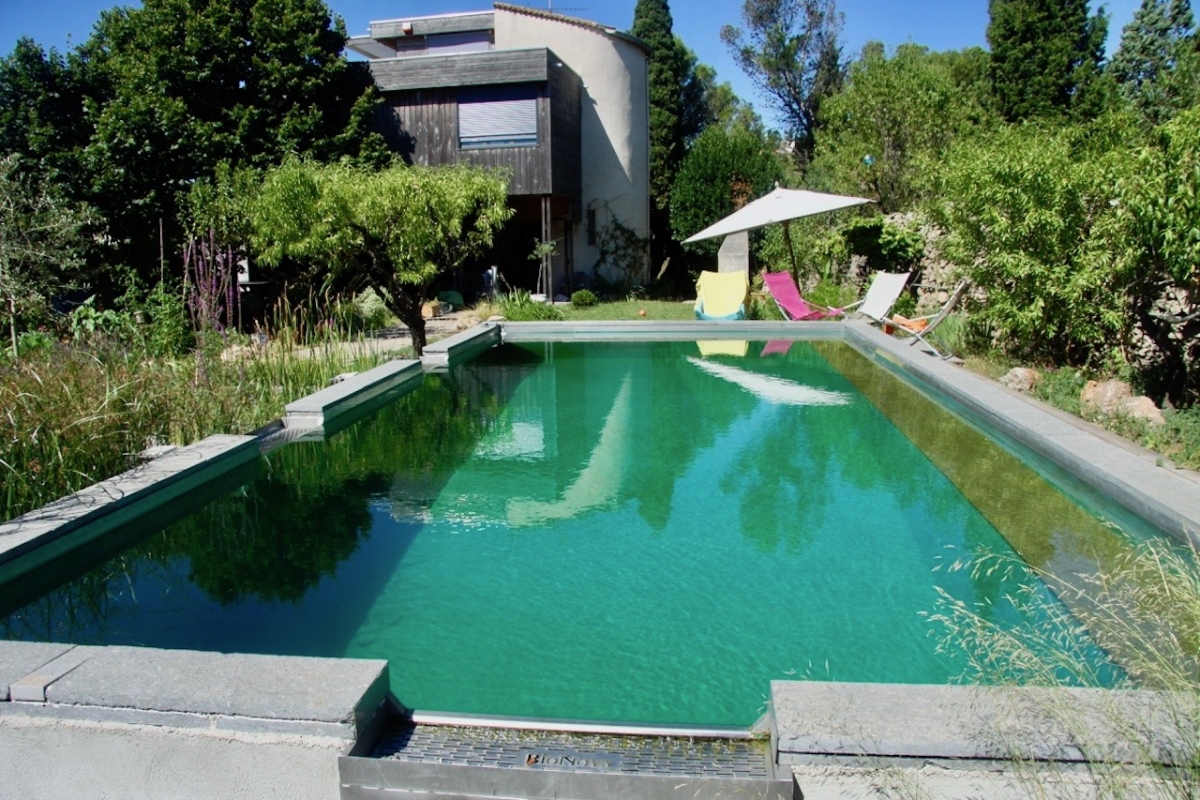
(416, 327)
(407, 309)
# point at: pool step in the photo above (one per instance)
(441, 761)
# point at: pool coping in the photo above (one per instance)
(1139, 480)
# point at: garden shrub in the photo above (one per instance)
(584, 299)
(887, 247)
(518, 306)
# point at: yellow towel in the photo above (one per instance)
(719, 294)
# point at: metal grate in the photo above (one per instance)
(590, 753)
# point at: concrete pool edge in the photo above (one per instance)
(92, 512)
(964, 726)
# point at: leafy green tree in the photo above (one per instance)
(893, 122)
(41, 109)
(183, 85)
(1154, 67)
(40, 242)
(722, 171)
(652, 24)
(395, 230)
(1021, 206)
(790, 49)
(1046, 57)
(1150, 241)
(706, 102)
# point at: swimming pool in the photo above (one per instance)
(620, 531)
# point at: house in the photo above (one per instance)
(561, 103)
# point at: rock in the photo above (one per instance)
(157, 451)
(1023, 379)
(1115, 397)
(1141, 408)
(1104, 396)
(497, 318)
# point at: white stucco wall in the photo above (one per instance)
(614, 119)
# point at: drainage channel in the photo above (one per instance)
(415, 759)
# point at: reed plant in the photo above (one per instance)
(77, 413)
(1144, 611)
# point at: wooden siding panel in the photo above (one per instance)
(565, 89)
(459, 23)
(460, 69)
(424, 129)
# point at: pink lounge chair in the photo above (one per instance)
(787, 297)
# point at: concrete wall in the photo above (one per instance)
(55, 759)
(614, 118)
(134, 722)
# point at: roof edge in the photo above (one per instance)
(596, 27)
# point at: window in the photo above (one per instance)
(497, 116)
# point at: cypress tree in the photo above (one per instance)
(652, 24)
(1151, 66)
(1046, 57)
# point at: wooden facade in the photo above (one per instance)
(421, 95)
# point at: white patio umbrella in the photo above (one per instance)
(781, 205)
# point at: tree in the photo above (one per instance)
(1150, 243)
(722, 171)
(183, 85)
(395, 230)
(1046, 57)
(706, 102)
(40, 242)
(1154, 66)
(791, 51)
(652, 24)
(893, 122)
(1021, 206)
(41, 108)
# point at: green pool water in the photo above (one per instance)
(610, 531)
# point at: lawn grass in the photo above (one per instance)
(632, 310)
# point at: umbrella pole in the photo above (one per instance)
(787, 237)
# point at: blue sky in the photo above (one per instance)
(938, 24)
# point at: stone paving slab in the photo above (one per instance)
(682, 330)
(18, 659)
(456, 349)
(321, 407)
(185, 688)
(818, 722)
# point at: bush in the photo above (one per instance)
(720, 166)
(887, 247)
(1020, 206)
(584, 299)
(518, 306)
(169, 334)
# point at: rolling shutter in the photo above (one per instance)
(497, 116)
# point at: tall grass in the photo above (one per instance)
(75, 414)
(1144, 610)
